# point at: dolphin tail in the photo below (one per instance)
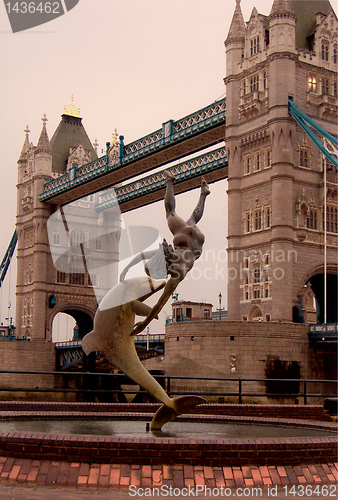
(91, 342)
(180, 405)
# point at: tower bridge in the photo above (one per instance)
(66, 172)
(175, 140)
(282, 194)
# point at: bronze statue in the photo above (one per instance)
(188, 242)
(114, 319)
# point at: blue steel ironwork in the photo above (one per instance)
(7, 258)
(190, 125)
(306, 123)
(171, 133)
(13, 337)
(67, 344)
(73, 178)
(195, 167)
(152, 337)
(71, 353)
(325, 333)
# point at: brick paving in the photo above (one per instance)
(53, 461)
(48, 473)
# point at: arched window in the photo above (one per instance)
(331, 219)
(254, 48)
(76, 237)
(60, 277)
(265, 80)
(311, 221)
(267, 157)
(98, 244)
(312, 84)
(56, 239)
(247, 164)
(325, 86)
(258, 219)
(325, 51)
(257, 274)
(247, 222)
(303, 159)
(254, 83)
(267, 217)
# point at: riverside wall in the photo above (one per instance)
(239, 349)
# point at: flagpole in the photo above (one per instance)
(325, 240)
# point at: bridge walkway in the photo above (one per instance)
(175, 140)
(152, 188)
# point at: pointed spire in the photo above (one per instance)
(115, 140)
(26, 145)
(43, 143)
(282, 8)
(95, 146)
(237, 27)
(27, 133)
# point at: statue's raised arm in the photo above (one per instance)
(187, 242)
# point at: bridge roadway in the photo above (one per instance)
(175, 140)
(151, 188)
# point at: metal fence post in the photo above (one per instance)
(304, 389)
(168, 386)
(240, 391)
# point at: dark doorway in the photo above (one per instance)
(84, 323)
(317, 284)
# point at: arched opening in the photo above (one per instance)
(256, 314)
(71, 325)
(317, 284)
(295, 315)
(63, 327)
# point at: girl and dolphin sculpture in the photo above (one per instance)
(114, 326)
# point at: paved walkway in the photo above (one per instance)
(17, 492)
(105, 476)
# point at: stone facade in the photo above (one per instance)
(183, 310)
(276, 182)
(47, 281)
(248, 350)
(26, 356)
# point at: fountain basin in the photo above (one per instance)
(134, 426)
(163, 449)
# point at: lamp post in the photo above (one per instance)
(220, 306)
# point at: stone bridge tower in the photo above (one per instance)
(42, 289)
(276, 181)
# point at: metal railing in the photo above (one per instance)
(85, 382)
(323, 332)
(201, 165)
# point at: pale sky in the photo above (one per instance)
(131, 65)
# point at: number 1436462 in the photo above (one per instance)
(34, 7)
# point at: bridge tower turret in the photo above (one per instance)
(235, 47)
(275, 190)
(42, 291)
(34, 169)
